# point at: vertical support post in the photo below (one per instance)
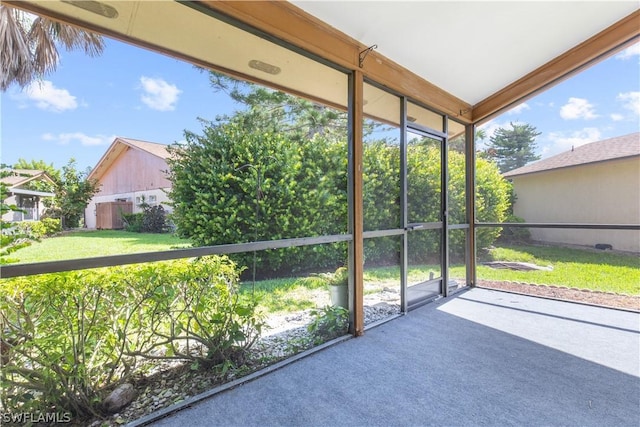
(444, 194)
(357, 104)
(470, 153)
(404, 213)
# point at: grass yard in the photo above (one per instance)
(86, 244)
(574, 268)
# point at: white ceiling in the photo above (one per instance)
(470, 49)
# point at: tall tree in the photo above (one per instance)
(38, 165)
(41, 165)
(28, 48)
(73, 193)
(513, 148)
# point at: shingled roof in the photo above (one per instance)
(609, 149)
(120, 145)
(154, 148)
(18, 177)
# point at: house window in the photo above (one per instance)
(152, 199)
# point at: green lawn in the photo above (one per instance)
(586, 269)
(575, 268)
(85, 244)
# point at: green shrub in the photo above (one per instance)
(328, 323)
(154, 220)
(34, 229)
(38, 229)
(239, 184)
(133, 222)
(492, 201)
(52, 226)
(69, 338)
(243, 181)
(60, 349)
(515, 234)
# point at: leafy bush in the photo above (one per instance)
(34, 229)
(69, 338)
(11, 237)
(52, 226)
(515, 234)
(492, 201)
(133, 222)
(328, 323)
(38, 229)
(245, 179)
(239, 184)
(153, 219)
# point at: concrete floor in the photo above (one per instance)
(482, 357)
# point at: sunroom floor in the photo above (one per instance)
(481, 357)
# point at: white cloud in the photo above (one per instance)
(47, 97)
(629, 52)
(519, 108)
(630, 101)
(563, 141)
(616, 117)
(83, 139)
(577, 108)
(158, 94)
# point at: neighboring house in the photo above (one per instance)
(129, 173)
(597, 183)
(21, 192)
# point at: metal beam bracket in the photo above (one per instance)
(364, 54)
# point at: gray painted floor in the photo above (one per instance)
(483, 357)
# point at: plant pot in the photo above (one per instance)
(339, 296)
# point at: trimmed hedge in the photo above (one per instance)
(236, 183)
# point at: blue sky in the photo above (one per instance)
(131, 92)
(601, 102)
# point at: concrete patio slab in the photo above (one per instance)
(482, 357)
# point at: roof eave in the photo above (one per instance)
(509, 175)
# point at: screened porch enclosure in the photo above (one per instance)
(425, 226)
(352, 172)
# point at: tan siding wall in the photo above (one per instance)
(607, 193)
(134, 170)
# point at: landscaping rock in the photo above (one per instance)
(119, 398)
(519, 266)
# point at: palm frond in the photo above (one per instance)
(28, 45)
(16, 63)
(75, 38)
(45, 52)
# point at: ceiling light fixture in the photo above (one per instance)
(94, 7)
(264, 67)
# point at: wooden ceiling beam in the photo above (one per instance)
(621, 34)
(291, 24)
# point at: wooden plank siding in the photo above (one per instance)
(134, 170)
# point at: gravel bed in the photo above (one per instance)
(603, 299)
(286, 334)
(170, 383)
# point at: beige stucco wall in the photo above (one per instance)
(19, 216)
(599, 193)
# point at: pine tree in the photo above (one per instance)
(513, 148)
